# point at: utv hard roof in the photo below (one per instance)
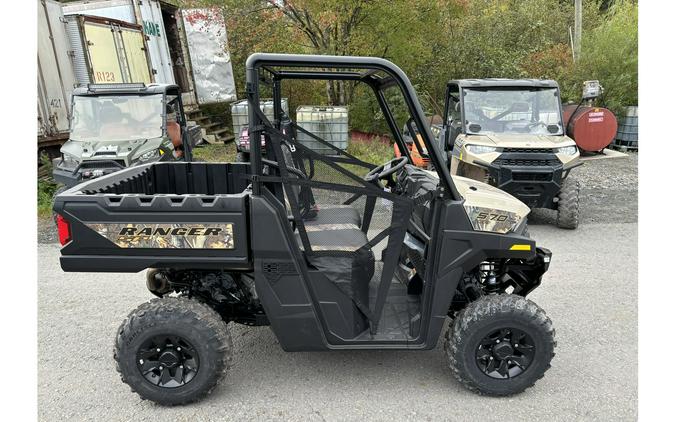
(122, 89)
(504, 83)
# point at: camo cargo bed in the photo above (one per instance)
(159, 215)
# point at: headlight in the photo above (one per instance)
(480, 149)
(492, 220)
(149, 155)
(570, 150)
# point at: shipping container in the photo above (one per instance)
(56, 78)
(185, 47)
(108, 50)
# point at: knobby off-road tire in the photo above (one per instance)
(568, 204)
(198, 328)
(504, 313)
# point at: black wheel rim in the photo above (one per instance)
(167, 361)
(505, 353)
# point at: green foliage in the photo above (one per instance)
(46, 187)
(374, 151)
(216, 153)
(610, 54)
(492, 38)
(45, 196)
(435, 41)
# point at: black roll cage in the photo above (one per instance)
(276, 64)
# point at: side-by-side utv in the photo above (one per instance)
(115, 126)
(332, 252)
(510, 133)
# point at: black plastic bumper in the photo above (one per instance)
(72, 177)
(535, 186)
(527, 274)
(533, 176)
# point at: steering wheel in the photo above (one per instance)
(385, 170)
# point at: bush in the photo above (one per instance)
(610, 54)
(374, 151)
(45, 197)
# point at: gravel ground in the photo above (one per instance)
(609, 192)
(594, 373)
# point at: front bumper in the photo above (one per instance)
(536, 187)
(527, 274)
(533, 178)
(86, 170)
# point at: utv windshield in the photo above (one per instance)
(504, 110)
(117, 118)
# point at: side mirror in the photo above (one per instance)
(475, 127)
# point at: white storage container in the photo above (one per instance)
(240, 113)
(55, 74)
(330, 123)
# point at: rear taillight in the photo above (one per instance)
(64, 229)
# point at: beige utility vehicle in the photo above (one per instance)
(510, 134)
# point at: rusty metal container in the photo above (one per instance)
(592, 128)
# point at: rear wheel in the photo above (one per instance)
(173, 350)
(568, 204)
(500, 345)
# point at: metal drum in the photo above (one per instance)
(592, 128)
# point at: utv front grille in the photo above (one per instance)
(532, 177)
(526, 162)
(96, 164)
(528, 151)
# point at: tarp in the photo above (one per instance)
(209, 55)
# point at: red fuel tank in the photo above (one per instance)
(592, 128)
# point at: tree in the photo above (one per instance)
(337, 27)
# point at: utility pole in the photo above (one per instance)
(576, 45)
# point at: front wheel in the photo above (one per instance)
(173, 350)
(568, 204)
(500, 345)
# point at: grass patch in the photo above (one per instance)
(373, 151)
(46, 187)
(45, 197)
(216, 153)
